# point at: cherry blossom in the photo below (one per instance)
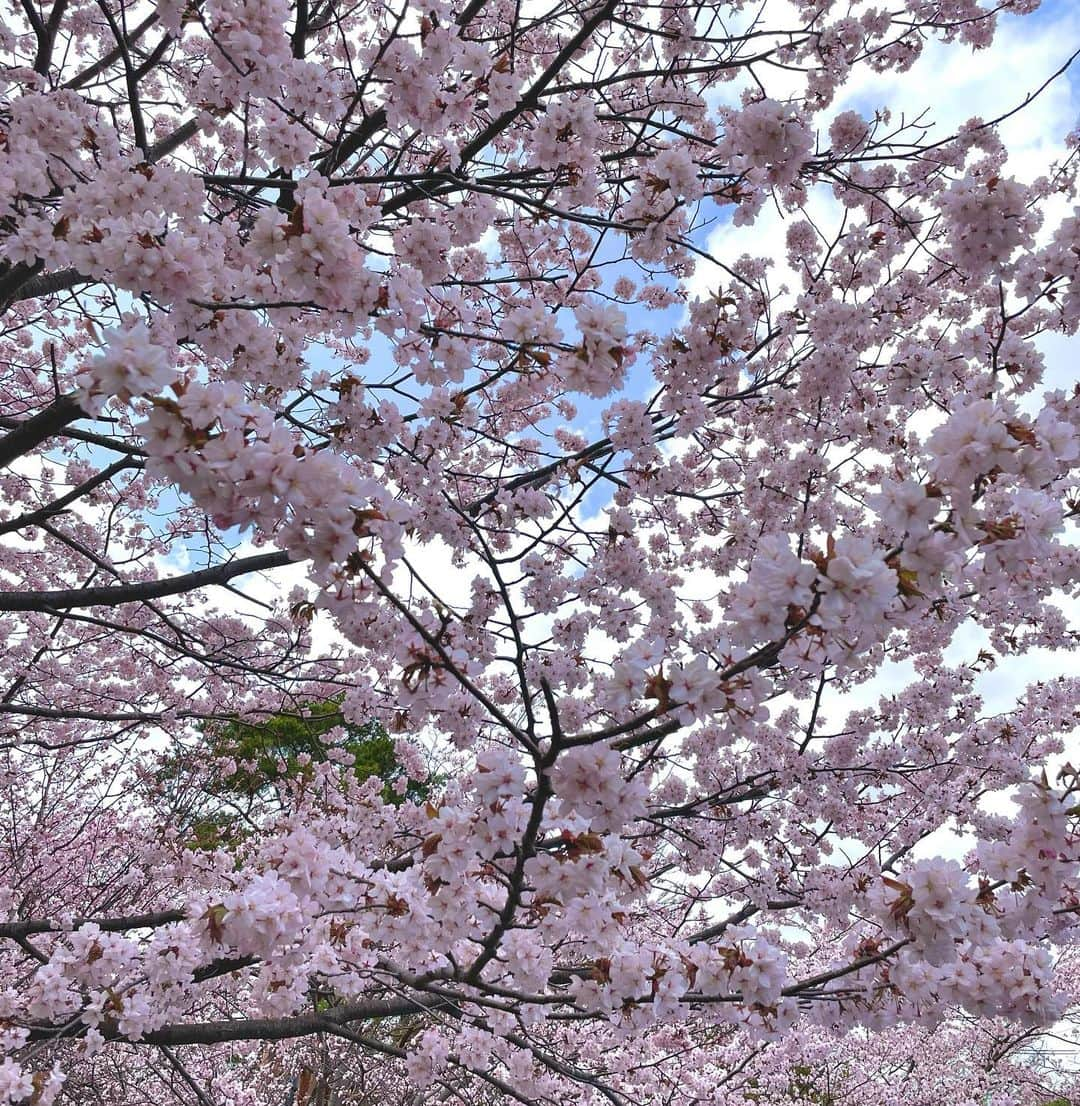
(538, 554)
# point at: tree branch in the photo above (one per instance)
(39, 428)
(137, 593)
(251, 1029)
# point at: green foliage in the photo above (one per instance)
(285, 746)
(273, 753)
(805, 1087)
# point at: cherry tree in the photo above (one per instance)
(389, 355)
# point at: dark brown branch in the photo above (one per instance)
(108, 925)
(43, 514)
(136, 593)
(113, 55)
(45, 284)
(253, 1029)
(39, 428)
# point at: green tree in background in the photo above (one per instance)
(239, 767)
